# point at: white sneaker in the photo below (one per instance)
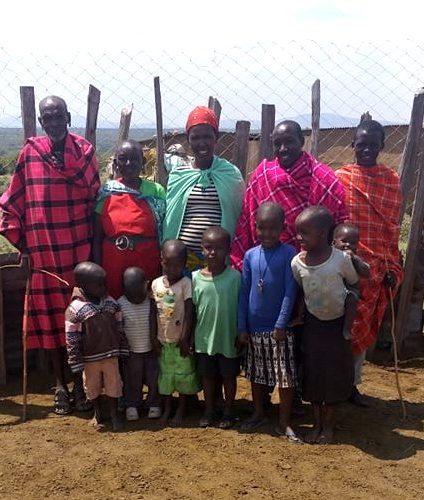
(132, 413)
(154, 412)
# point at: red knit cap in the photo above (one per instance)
(202, 115)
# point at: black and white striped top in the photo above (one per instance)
(202, 211)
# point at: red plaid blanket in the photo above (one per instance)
(374, 199)
(47, 211)
(307, 183)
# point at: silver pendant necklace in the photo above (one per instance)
(261, 280)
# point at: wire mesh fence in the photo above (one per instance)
(377, 77)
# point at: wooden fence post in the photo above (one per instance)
(93, 102)
(267, 126)
(215, 105)
(124, 124)
(2, 356)
(414, 244)
(316, 111)
(29, 120)
(409, 162)
(161, 175)
(241, 146)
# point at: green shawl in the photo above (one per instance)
(228, 182)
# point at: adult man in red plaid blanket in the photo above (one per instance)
(47, 213)
(374, 200)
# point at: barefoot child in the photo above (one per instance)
(267, 296)
(142, 366)
(171, 335)
(321, 270)
(346, 238)
(215, 297)
(95, 338)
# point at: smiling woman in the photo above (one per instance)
(207, 193)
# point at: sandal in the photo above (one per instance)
(253, 424)
(62, 404)
(206, 421)
(81, 403)
(291, 436)
(226, 422)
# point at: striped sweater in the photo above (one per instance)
(93, 331)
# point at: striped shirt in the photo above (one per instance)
(136, 324)
(203, 210)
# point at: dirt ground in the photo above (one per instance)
(377, 455)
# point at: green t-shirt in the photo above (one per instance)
(216, 300)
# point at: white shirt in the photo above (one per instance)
(323, 285)
(136, 324)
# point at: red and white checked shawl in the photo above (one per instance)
(374, 200)
(308, 182)
(48, 212)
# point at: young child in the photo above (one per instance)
(267, 296)
(322, 270)
(215, 297)
(346, 238)
(142, 365)
(95, 338)
(171, 334)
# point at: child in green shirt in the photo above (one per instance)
(215, 297)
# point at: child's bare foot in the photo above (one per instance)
(326, 436)
(96, 422)
(116, 424)
(178, 418)
(312, 435)
(165, 416)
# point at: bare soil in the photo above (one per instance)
(377, 454)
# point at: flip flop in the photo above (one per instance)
(226, 422)
(291, 436)
(253, 424)
(62, 404)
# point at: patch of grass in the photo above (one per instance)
(404, 234)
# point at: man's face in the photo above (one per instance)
(54, 118)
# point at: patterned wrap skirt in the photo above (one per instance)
(269, 362)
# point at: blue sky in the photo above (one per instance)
(246, 53)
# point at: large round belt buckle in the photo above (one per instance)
(122, 242)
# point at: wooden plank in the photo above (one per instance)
(241, 145)
(93, 101)
(267, 126)
(29, 117)
(414, 244)
(316, 111)
(2, 357)
(408, 164)
(161, 175)
(124, 124)
(214, 104)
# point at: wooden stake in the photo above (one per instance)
(161, 175)
(215, 105)
(2, 356)
(267, 126)
(395, 352)
(316, 110)
(241, 146)
(409, 162)
(414, 243)
(25, 263)
(93, 102)
(29, 120)
(124, 124)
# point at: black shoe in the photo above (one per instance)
(357, 399)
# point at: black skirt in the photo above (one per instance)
(328, 372)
